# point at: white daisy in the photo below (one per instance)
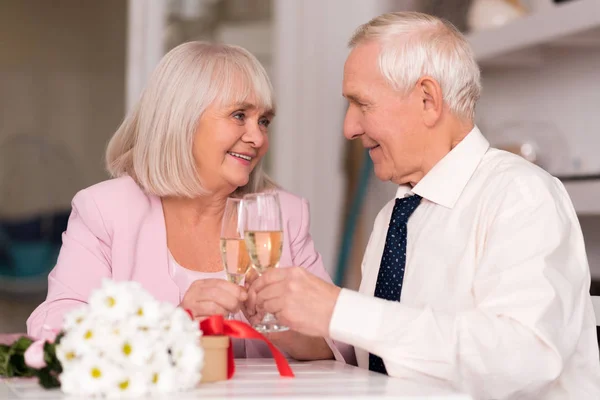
(95, 375)
(127, 344)
(164, 380)
(188, 356)
(131, 384)
(76, 317)
(148, 314)
(114, 301)
(132, 350)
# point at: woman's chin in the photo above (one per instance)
(239, 181)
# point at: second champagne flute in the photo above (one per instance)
(264, 239)
(236, 260)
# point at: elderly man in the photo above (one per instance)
(476, 274)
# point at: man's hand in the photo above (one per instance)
(298, 299)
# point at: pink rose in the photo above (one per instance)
(34, 355)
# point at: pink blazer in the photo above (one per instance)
(117, 231)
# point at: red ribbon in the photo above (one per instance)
(217, 325)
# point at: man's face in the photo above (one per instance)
(387, 122)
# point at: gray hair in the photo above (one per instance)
(416, 44)
(153, 145)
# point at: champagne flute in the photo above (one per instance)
(263, 231)
(236, 260)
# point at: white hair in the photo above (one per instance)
(414, 45)
(153, 145)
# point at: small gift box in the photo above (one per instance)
(215, 358)
(215, 331)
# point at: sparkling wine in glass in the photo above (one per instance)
(263, 232)
(236, 260)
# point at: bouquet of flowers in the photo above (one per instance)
(123, 343)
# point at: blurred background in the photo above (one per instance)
(70, 70)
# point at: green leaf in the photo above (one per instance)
(12, 360)
(52, 361)
(4, 360)
(47, 378)
(22, 344)
(9, 370)
(19, 368)
(59, 338)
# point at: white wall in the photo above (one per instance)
(563, 92)
(62, 83)
(307, 150)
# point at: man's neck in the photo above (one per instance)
(442, 140)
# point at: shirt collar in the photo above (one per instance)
(444, 183)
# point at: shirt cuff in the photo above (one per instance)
(356, 319)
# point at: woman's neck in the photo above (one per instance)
(195, 211)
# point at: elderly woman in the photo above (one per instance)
(196, 137)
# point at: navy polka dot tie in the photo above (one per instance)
(393, 261)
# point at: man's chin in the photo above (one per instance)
(382, 175)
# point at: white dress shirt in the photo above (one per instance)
(495, 299)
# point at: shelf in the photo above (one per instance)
(585, 195)
(521, 42)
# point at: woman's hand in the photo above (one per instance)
(207, 297)
(252, 314)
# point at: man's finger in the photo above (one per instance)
(273, 306)
(269, 277)
(274, 291)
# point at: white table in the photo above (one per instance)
(258, 379)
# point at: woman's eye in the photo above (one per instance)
(264, 122)
(239, 116)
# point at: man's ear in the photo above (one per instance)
(430, 93)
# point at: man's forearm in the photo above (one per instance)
(301, 347)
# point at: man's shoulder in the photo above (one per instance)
(503, 174)
(500, 163)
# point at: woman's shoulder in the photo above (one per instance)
(290, 200)
(295, 211)
(293, 206)
(118, 197)
(122, 189)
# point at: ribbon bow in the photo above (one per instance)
(217, 325)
